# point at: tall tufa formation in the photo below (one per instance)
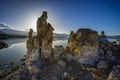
(102, 38)
(83, 42)
(39, 46)
(44, 35)
(43, 40)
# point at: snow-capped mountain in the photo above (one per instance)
(7, 31)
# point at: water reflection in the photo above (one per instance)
(17, 49)
(13, 54)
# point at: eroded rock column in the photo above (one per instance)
(39, 46)
(44, 35)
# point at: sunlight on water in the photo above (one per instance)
(12, 54)
(60, 42)
(112, 40)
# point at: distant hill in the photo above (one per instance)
(114, 37)
(7, 31)
(58, 36)
(10, 33)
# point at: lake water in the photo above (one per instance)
(112, 40)
(17, 49)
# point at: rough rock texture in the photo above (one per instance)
(39, 46)
(108, 57)
(44, 35)
(83, 44)
(96, 53)
(19, 74)
(80, 43)
(58, 51)
(63, 70)
(115, 73)
(43, 40)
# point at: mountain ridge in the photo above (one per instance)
(12, 33)
(7, 31)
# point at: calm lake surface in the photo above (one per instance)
(17, 49)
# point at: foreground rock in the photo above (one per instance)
(3, 45)
(58, 51)
(115, 73)
(83, 44)
(94, 52)
(80, 43)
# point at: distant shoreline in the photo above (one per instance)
(3, 36)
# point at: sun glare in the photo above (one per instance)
(33, 24)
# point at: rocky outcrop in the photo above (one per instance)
(43, 40)
(107, 57)
(53, 71)
(83, 45)
(80, 43)
(44, 35)
(96, 53)
(39, 46)
(114, 74)
(108, 54)
(102, 38)
(58, 51)
(3, 45)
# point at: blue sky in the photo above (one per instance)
(64, 15)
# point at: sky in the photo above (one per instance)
(64, 15)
